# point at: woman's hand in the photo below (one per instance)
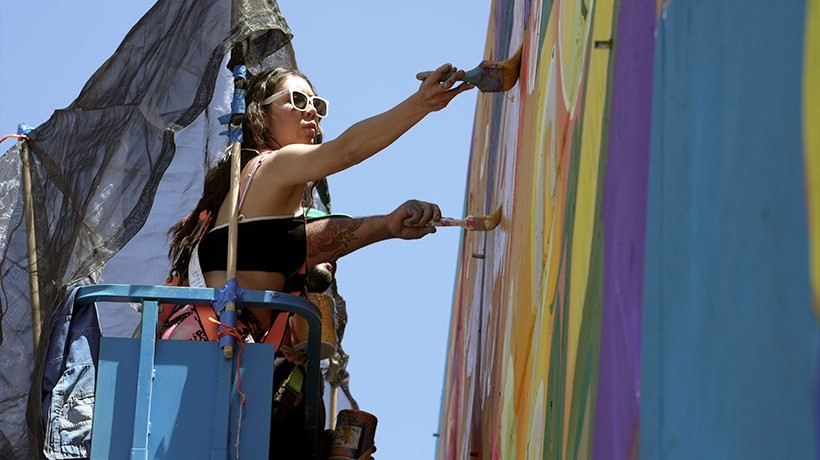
(435, 95)
(411, 220)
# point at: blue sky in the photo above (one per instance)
(363, 57)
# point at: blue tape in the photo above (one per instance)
(231, 292)
(227, 318)
(23, 129)
(237, 107)
(238, 103)
(240, 71)
(235, 135)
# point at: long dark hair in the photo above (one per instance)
(217, 179)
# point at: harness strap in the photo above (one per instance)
(276, 333)
(211, 329)
(274, 336)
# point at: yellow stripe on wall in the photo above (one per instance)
(586, 208)
(811, 136)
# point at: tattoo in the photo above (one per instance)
(337, 238)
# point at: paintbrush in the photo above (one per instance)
(489, 76)
(476, 223)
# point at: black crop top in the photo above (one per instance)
(267, 244)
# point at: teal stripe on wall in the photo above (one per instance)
(730, 341)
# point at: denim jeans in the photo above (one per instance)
(69, 380)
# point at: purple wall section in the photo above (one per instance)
(624, 218)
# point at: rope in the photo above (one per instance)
(19, 137)
(233, 332)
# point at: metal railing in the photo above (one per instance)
(150, 297)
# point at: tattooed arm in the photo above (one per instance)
(330, 239)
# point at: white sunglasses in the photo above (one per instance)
(300, 101)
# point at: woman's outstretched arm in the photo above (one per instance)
(299, 163)
(331, 238)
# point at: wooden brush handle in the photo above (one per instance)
(469, 223)
(449, 222)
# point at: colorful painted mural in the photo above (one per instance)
(648, 292)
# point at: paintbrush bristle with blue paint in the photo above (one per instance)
(489, 76)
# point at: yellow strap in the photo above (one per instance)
(295, 379)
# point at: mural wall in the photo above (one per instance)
(649, 290)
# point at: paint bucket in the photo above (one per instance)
(354, 435)
(300, 326)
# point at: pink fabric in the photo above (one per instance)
(185, 323)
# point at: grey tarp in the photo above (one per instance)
(98, 165)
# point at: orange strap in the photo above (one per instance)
(274, 336)
(165, 310)
(205, 312)
(13, 136)
(276, 333)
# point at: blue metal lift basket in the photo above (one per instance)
(168, 399)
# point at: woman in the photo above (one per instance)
(276, 241)
(280, 156)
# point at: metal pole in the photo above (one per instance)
(31, 244)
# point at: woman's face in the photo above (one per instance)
(285, 123)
